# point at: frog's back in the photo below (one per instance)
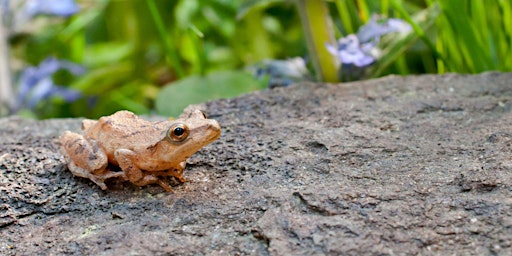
(125, 129)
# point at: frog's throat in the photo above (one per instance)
(176, 152)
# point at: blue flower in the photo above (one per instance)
(36, 83)
(15, 14)
(357, 49)
(63, 8)
(350, 51)
(374, 29)
(4, 8)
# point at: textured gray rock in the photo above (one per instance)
(398, 165)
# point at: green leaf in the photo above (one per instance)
(249, 5)
(98, 81)
(185, 11)
(174, 97)
(474, 48)
(394, 48)
(105, 54)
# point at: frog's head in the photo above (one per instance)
(189, 133)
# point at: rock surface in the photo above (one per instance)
(392, 166)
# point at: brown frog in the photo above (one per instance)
(147, 152)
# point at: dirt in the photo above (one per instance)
(392, 166)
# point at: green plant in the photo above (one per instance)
(163, 55)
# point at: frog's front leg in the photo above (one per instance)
(86, 159)
(178, 173)
(125, 159)
(174, 172)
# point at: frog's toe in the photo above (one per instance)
(81, 172)
(99, 182)
(180, 178)
(111, 174)
(164, 185)
(152, 179)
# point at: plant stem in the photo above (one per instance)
(318, 31)
(344, 14)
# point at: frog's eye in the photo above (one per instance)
(204, 115)
(177, 133)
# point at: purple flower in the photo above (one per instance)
(4, 7)
(36, 83)
(63, 8)
(374, 29)
(351, 51)
(15, 14)
(358, 51)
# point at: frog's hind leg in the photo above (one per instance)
(86, 159)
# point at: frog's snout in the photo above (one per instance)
(214, 126)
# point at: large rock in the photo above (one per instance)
(398, 165)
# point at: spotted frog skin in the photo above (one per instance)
(147, 152)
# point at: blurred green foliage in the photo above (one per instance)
(464, 36)
(215, 85)
(163, 54)
(132, 49)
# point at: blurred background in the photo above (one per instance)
(64, 58)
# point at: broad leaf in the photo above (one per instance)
(174, 97)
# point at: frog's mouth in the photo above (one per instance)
(211, 131)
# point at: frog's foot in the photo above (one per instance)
(99, 179)
(110, 174)
(85, 158)
(177, 172)
(81, 172)
(179, 176)
(134, 174)
(152, 179)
